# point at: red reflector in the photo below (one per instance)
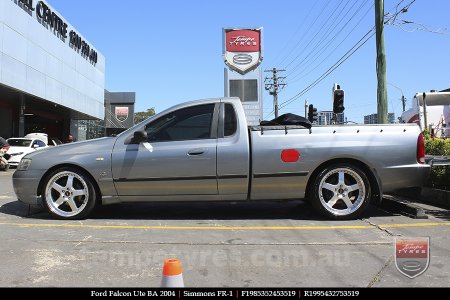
(290, 155)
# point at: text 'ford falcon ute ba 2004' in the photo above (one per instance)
(204, 150)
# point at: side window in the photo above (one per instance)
(38, 143)
(230, 120)
(190, 123)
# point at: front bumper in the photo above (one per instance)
(15, 160)
(25, 184)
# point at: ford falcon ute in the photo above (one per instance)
(204, 151)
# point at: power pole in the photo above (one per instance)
(381, 63)
(424, 112)
(274, 84)
(306, 108)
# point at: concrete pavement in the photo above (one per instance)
(220, 244)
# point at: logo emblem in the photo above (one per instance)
(412, 255)
(242, 49)
(121, 113)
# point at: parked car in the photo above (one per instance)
(50, 141)
(204, 150)
(19, 147)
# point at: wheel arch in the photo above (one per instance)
(74, 166)
(373, 178)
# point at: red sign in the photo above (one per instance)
(242, 51)
(244, 40)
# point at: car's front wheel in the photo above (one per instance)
(341, 191)
(68, 193)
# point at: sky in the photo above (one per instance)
(170, 52)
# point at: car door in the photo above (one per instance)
(179, 157)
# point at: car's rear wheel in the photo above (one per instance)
(341, 191)
(68, 193)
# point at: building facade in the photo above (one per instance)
(326, 118)
(373, 118)
(119, 111)
(51, 78)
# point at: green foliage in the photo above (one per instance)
(142, 115)
(440, 176)
(437, 146)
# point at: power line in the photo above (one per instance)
(314, 37)
(326, 32)
(346, 56)
(322, 10)
(420, 27)
(302, 24)
(319, 54)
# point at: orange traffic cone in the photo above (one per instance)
(172, 275)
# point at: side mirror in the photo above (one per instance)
(139, 137)
(35, 146)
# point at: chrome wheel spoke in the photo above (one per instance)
(72, 205)
(69, 183)
(341, 178)
(347, 202)
(78, 193)
(59, 201)
(332, 201)
(329, 187)
(57, 187)
(353, 187)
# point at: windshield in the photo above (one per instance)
(19, 142)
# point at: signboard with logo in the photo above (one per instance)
(121, 113)
(412, 255)
(242, 49)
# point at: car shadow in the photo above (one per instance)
(17, 208)
(255, 210)
(439, 214)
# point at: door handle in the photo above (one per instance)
(195, 152)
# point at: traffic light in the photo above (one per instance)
(312, 113)
(338, 101)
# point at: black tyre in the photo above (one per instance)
(340, 191)
(69, 193)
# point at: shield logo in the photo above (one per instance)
(121, 113)
(242, 49)
(412, 255)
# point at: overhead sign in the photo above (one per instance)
(242, 49)
(53, 22)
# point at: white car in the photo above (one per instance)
(50, 141)
(19, 147)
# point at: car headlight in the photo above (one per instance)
(18, 153)
(24, 164)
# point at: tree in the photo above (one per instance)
(142, 115)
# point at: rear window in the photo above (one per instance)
(230, 120)
(19, 142)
